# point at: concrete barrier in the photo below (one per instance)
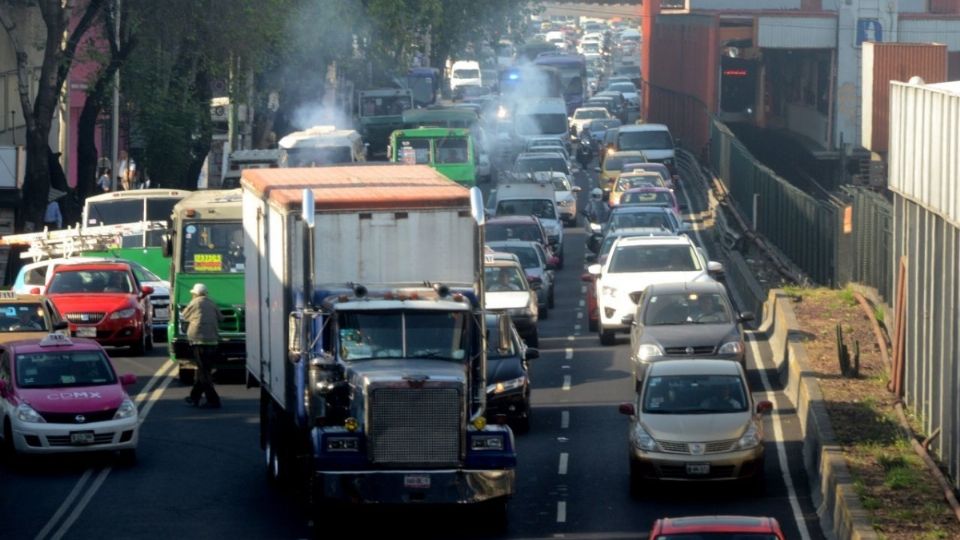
(841, 513)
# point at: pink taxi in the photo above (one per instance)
(63, 394)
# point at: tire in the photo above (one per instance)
(186, 376)
(533, 340)
(607, 337)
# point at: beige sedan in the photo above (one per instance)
(695, 420)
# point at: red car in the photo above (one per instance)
(717, 528)
(103, 301)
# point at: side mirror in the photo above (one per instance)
(531, 353)
(61, 325)
(764, 407)
(128, 379)
(146, 290)
(594, 269)
(714, 267)
(587, 278)
(747, 316)
(576, 189)
(629, 410)
(628, 320)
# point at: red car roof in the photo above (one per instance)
(703, 524)
(92, 266)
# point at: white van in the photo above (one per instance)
(464, 73)
(542, 117)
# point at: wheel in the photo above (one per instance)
(533, 340)
(636, 480)
(550, 298)
(186, 376)
(607, 337)
(592, 324)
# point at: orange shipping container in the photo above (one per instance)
(885, 62)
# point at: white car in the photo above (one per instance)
(632, 265)
(507, 289)
(33, 278)
(583, 115)
(566, 197)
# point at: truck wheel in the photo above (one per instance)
(607, 337)
(186, 376)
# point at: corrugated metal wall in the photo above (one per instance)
(925, 146)
(931, 246)
(924, 176)
(885, 62)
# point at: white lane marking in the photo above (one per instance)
(66, 503)
(583, 289)
(565, 366)
(564, 419)
(583, 303)
(568, 353)
(564, 459)
(561, 511)
(147, 393)
(571, 338)
(579, 314)
(781, 450)
(576, 328)
(82, 504)
(566, 382)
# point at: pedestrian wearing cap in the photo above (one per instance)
(203, 317)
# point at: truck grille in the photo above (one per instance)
(84, 318)
(410, 427)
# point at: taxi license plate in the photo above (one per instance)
(416, 481)
(86, 331)
(698, 469)
(81, 437)
(161, 313)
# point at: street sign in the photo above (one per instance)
(869, 30)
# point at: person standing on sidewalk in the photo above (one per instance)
(203, 317)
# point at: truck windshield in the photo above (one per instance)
(403, 334)
(212, 247)
(313, 157)
(384, 105)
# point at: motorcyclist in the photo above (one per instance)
(597, 210)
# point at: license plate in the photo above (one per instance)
(81, 437)
(161, 313)
(86, 331)
(698, 468)
(416, 481)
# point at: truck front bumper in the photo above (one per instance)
(447, 486)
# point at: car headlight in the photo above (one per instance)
(487, 442)
(642, 440)
(126, 410)
(123, 313)
(731, 347)
(608, 291)
(342, 444)
(25, 413)
(563, 204)
(505, 386)
(649, 350)
(750, 437)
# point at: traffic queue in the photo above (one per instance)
(355, 341)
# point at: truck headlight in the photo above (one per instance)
(647, 351)
(487, 442)
(750, 437)
(123, 314)
(25, 413)
(505, 386)
(608, 291)
(642, 440)
(342, 444)
(731, 347)
(126, 410)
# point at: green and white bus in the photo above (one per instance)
(448, 150)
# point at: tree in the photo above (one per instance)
(59, 47)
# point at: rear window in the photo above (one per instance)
(660, 258)
(657, 198)
(520, 231)
(541, 208)
(90, 281)
(645, 140)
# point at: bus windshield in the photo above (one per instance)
(212, 247)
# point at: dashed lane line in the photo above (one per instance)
(568, 353)
(564, 419)
(566, 383)
(564, 460)
(561, 511)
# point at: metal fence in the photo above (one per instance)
(807, 230)
(871, 256)
(931, 246)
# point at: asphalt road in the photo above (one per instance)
(200, 473)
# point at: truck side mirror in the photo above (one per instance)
(166, 244)
(294, 337)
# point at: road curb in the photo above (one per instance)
(842, 515)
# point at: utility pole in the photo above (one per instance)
(115, 115)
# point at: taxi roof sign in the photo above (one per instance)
(55, 340)
(8, 295)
